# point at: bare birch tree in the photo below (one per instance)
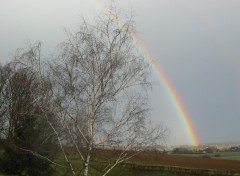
(100, 85)
(98, 93)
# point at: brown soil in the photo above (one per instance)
(173, 160)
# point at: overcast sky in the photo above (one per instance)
(196, 42)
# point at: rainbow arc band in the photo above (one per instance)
(165, 82)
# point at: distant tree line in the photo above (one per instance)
(182, 150)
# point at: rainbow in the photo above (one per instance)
(165, 82)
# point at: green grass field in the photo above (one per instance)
(230, 155)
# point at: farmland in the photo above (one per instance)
(156, 164)
(189, 162)
(165, 165)
(217, 155)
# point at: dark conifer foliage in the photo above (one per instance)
(26, 136)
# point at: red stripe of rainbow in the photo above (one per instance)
(165, 82)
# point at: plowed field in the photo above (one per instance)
(181, 161)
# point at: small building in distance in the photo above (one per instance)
(210, 150)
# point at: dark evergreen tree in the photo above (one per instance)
(28, 136)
